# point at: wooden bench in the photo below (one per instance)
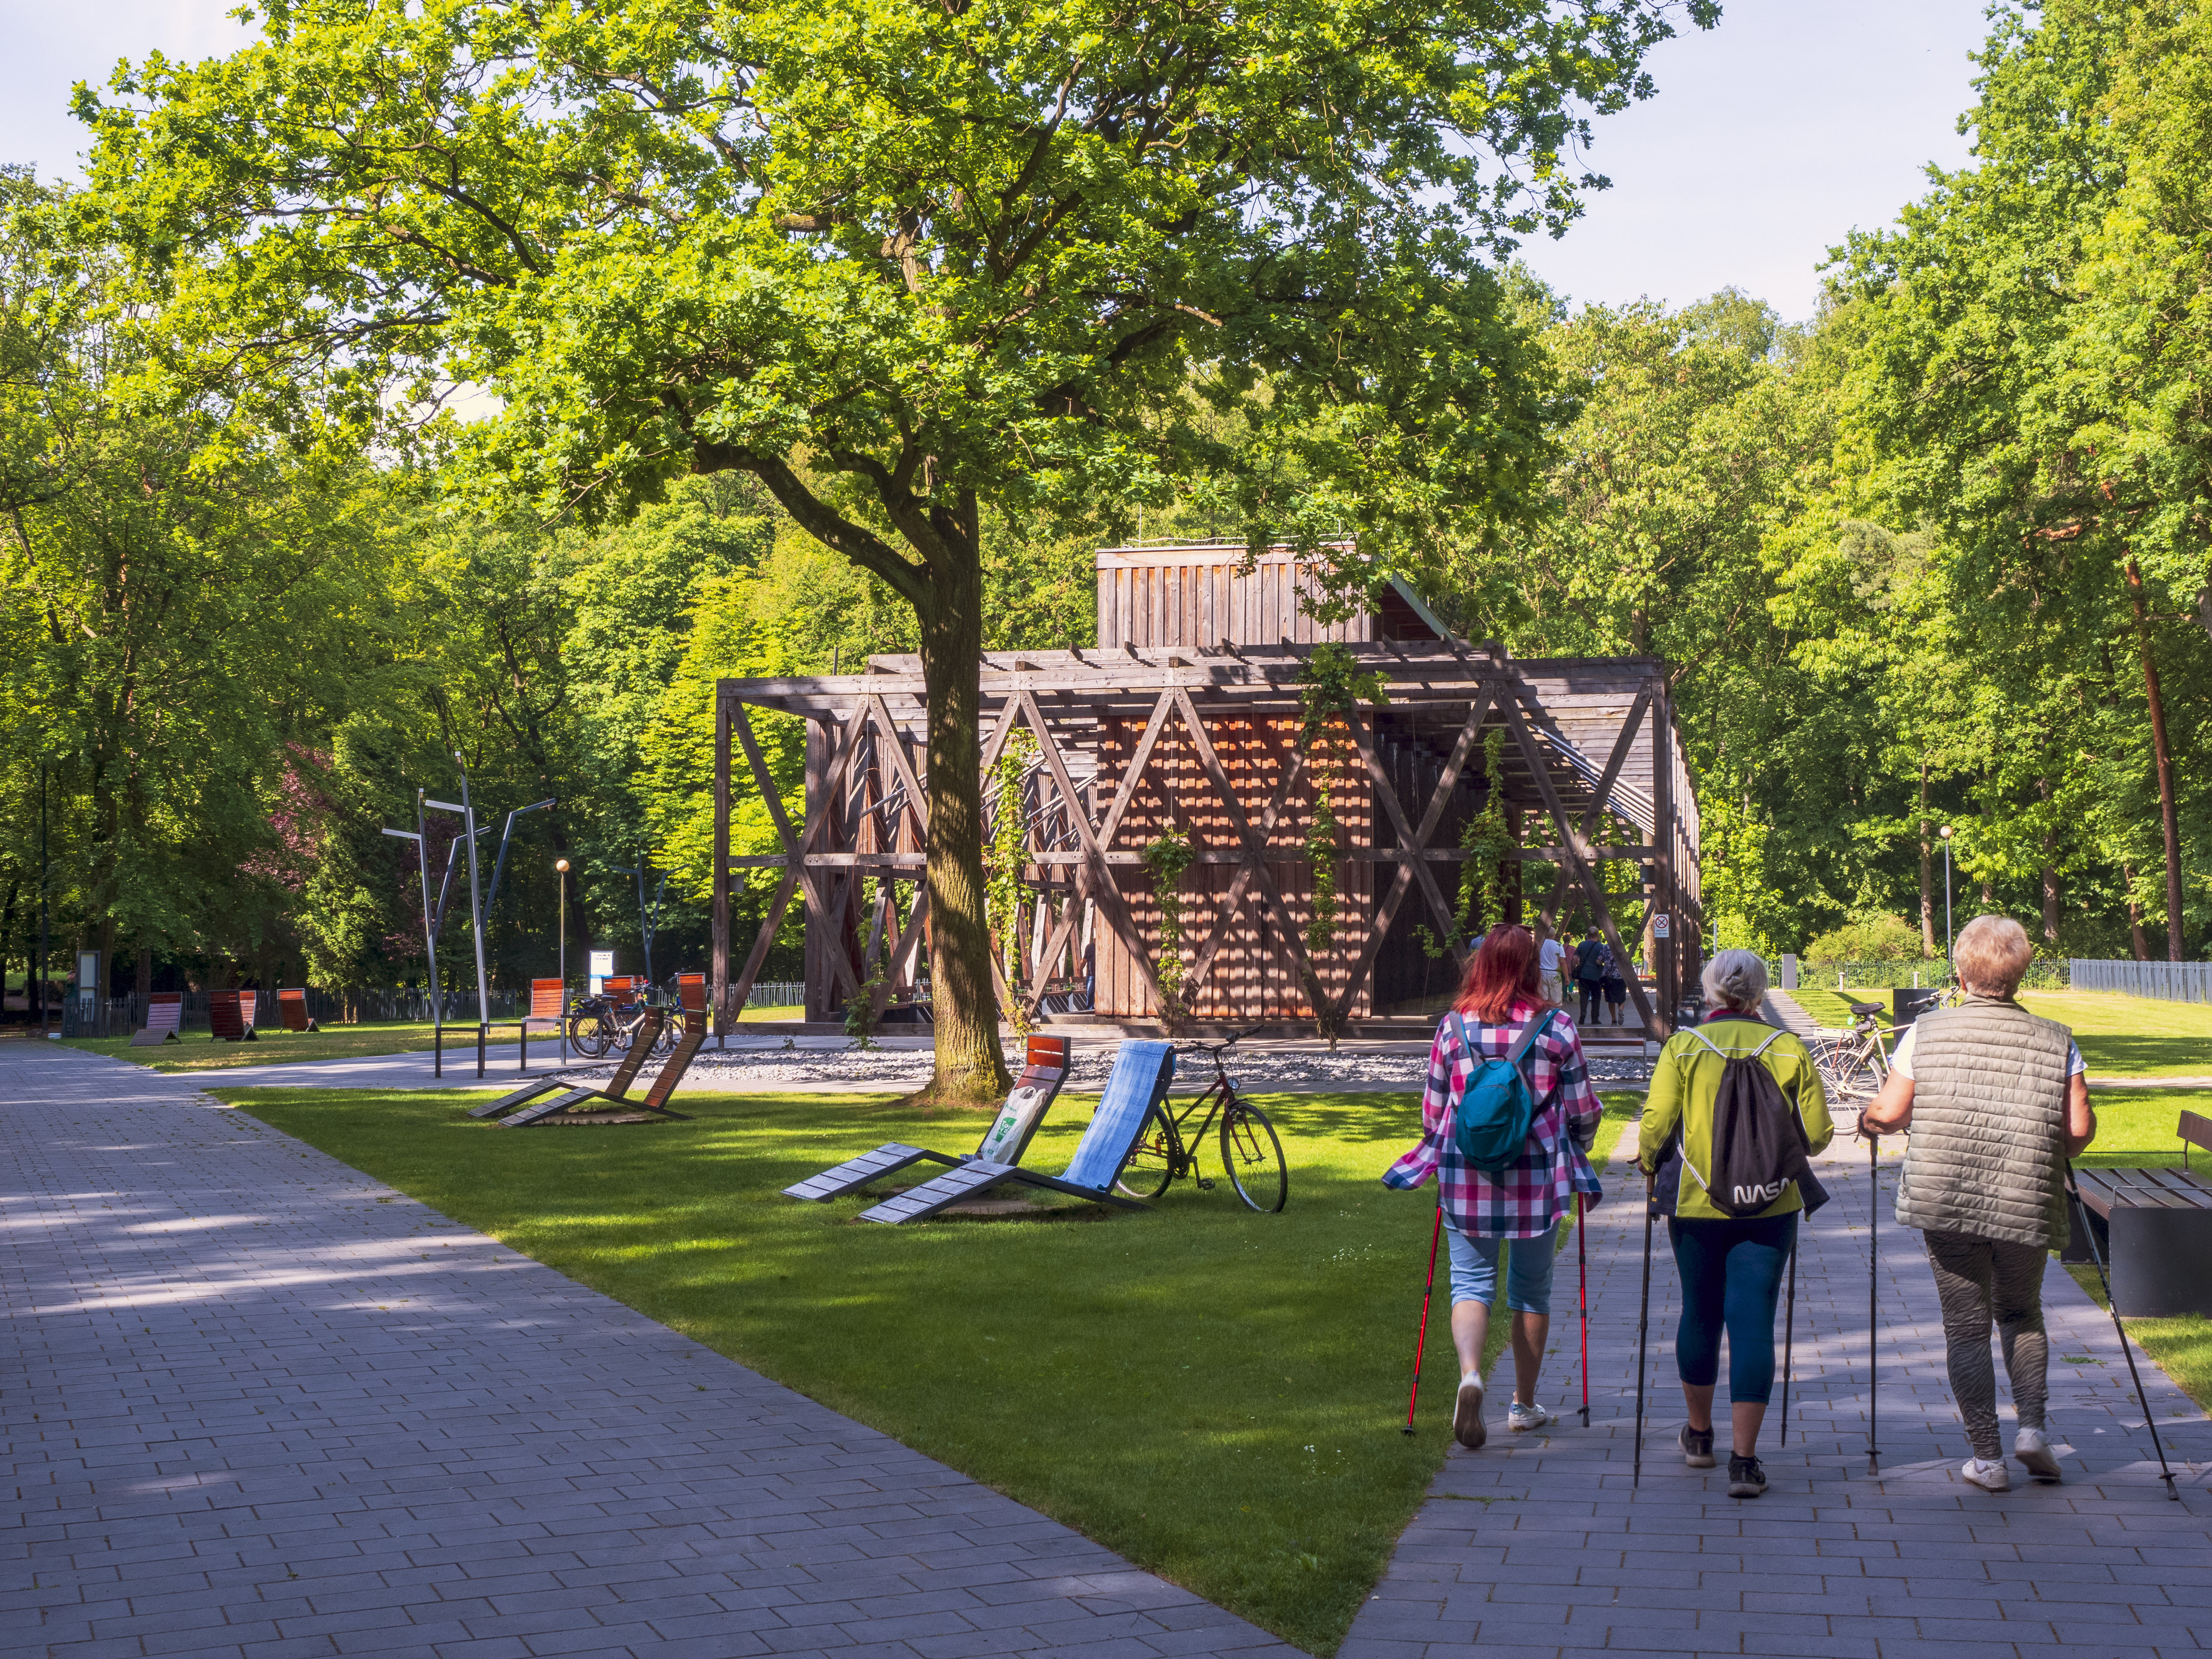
(549, 1007)
(165, 1013)
(230, 1017)
(292, 1009)
(2155, 1227)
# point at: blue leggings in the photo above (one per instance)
(1731, 1273)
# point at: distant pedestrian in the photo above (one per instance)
(1998, 1100)
(1616, 993)
(1551, 958)
(1501, 997)
(1731, 1267)
(1593, 962)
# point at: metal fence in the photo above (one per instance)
(777, 994)
(371, 1005)
(2043, 974)
(2168, 982)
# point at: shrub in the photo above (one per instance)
(1869, 939)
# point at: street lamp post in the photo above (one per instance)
(561, 867)
(1946, 898)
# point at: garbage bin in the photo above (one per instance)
(1907, 1006)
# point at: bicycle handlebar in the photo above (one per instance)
(1216, 1048)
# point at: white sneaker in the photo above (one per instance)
(1518, 1416)
(1467, 1426)
(1989, 1473)
(2032, 1448)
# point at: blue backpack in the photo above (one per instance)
(1492, 1118)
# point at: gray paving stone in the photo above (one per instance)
(236, 1365)
(1830, 1563)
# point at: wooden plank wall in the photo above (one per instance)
(1201, 596)
(1249, 978)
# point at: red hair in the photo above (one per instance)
(1501, 978)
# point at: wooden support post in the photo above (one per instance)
(1666, 962)
(1575, 847)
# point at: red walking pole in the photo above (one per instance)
(1421, 1342)
(1582, 1272)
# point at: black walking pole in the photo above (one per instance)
(1873, 1335)
(2081, 1214)
(1789, 1330)
(1581, 1295)
(1642, 1328)
(1421, 1341)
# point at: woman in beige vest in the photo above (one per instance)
(1996, 1100)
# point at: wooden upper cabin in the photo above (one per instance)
(1185, 716)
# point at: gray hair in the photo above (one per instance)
(1737, 978)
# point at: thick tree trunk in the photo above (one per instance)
(1927, 873)
(2163, 755)
(971, 1068)
(2050, 873)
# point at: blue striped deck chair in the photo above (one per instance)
(1142, 1072)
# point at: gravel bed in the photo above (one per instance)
(1257, 1071)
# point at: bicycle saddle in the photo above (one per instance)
(1864, 1007)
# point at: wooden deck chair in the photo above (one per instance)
(618, 1086)
(292, 1008)
(165, 1011)
(1142, 1072)
(230, 1017)
(1044, 1068)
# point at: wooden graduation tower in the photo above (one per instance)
(1185, 716)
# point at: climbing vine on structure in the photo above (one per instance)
(1332, 686)
(1167, 858)
(1008, 852)
(1481, 878)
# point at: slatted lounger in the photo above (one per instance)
(230, 1017)
(1142, 1072)
(292, 1008)
(165, 1010)
(1044, 1068)
(691, 994)
(2155, 1227)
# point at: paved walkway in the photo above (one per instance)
(1541, 1546)
(259, 1407)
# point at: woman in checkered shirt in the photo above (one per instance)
(1501, 996)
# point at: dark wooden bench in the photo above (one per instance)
(2155, 1227)
(292, 1008)
(230, 1017)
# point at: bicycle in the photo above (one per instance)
(1251, 1152)
(1852, 1068)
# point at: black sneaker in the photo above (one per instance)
(1745, 1478)
(1697, 1446)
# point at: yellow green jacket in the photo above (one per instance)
(1684, 1083)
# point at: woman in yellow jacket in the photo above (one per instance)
(1730, 1269)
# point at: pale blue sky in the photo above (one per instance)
(1773, 135)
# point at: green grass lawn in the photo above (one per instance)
(196, 1051)
(2120, 1035)
(1216, 1394)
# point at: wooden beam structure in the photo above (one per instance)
(1135, 740)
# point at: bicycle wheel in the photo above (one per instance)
(1253, 1155)
(1156, 1161)
(1846, 1072)
(587, 1036)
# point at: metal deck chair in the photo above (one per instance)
(1044, 1068)
(1142, 1072)
(691, 1009)
(564, 1092)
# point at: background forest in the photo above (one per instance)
(1937, 555)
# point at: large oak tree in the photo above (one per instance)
(907, 263)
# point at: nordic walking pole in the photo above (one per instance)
(1642, 1329)
(1874, 1338)
(1582, 1273)
(1789, 1330)
(2081, 1212)
(1421, 1342)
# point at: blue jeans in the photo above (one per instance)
(1731, 1273)
(1528, 1270)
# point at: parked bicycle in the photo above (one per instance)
(1251, 1152)
(599, 1024)
(1852, 1067)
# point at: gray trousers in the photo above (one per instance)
(1981, 1280)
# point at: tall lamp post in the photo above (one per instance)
(1946, 899)
(560, 868)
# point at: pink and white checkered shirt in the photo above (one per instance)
(1526, 1200)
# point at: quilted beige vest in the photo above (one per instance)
(1986, 1154)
